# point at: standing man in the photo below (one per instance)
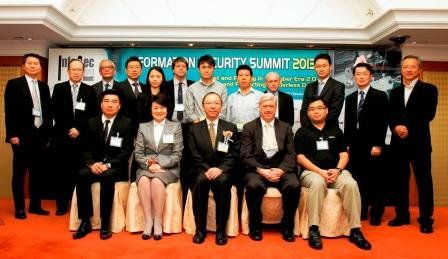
(107, 144)
(412, 107)
(176, 90)
(331, 91)
(107, 72)
(28, 121)
(207, 83)
(365, 126)
(73, 103)
(285, 107)
(214, 158)
(322, 153)
(267, 157)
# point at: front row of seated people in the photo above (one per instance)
(267, 157)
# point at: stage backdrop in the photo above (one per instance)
(296, 67)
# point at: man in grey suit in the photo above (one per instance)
(107, 72)
(331, 91)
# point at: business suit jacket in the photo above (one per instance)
(95, 149)
(19, 118)
(204, 156)
(64, 117)
(372, 119)
(333, 94)
(138, 109)
(98, 87)
(170, 94)
(168, 154)
(416, 115)
(285, 108)
(253, 155)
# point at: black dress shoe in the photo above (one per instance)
(396, 222)
(84, 229)
(426, 229)
(105, 234)
(39, 211)
(199, 237)
(221, 238)
(60, 212)
(158, 237)
(146, 236)
(20, 214)
(256, 235)
(288, 236)
(314, 240)
(357, 238)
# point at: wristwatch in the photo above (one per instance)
(108, 165)
(339, 170)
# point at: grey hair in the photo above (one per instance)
(271, 74)
(267, 97)
(419, 60)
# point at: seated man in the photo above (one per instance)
(267, 156)
(322, 153)
(107, 145)
(214, 154)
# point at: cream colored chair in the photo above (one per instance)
(172, 211)
(271, 211)
(333, 220)
(118, 216)
(232, 222)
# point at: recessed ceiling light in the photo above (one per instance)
(132, 44)
(310, 46)
(190, 44)
(250, 45)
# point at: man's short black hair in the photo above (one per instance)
(32, 55)
(323, 56)
(313, 99)
(244, 67)
(206, 59)
(366, 65)
(179, 60)
(133, 58)
(110, 92)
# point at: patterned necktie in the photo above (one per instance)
(36, 103)
(180, 100)
(106, 130)
(361, 102)
(74, 95)
(211, 131)
(136, 92)
(106, 86)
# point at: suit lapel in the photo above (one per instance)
(326, 86)
(152, 140)
(259, 135)
(114, 129)
(277, 134)
(415, 92)
(26, 91)
(205, 132)
(166, 129)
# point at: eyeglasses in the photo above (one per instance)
(318, 108)
(107, 67)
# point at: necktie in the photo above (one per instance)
(211, 131)
(180, 114)
(320, 87)
(36, 103)
(106, 130)
(136, 92)
(361, 102)
(74, 95)
(106, 86)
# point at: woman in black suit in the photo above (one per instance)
(156, 82)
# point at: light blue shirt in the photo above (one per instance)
(242, 108)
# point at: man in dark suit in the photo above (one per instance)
(107, 72)
(268, 158)
(135, 104)
(331, 91)
(107, 144)
(176, 90)
(285, 104)
(412, 106)
(73, 103)
(28, 121)
(365, 126)
(213, 161)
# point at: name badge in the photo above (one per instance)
(168, 138)
(116, 141)
(179, 107)
(36, 112)
(80, 106)
(222, 147)
(322, 145)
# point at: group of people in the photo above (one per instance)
(166, 131)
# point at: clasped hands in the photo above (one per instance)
(330, 175)
(154, 166)
(98, 168)
(213, 172)
(271, 174)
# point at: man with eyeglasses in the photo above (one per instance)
(107, 72)
(322, 154)
(73, 103)
(331, 91)
(412, 107)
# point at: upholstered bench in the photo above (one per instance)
(118, 216)
(232, 222)
(172, 211)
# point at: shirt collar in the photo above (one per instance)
(365, 90)
(323, 80)
(159, 124)
(132, 81)
(111, 82)
(251, 90)
(103, 119)
(412, 84)
(29, 79)
(263, 122)
(213, 81)
(215, 122)
(73, 83)
(176, 82)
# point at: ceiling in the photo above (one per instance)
(229, 24)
